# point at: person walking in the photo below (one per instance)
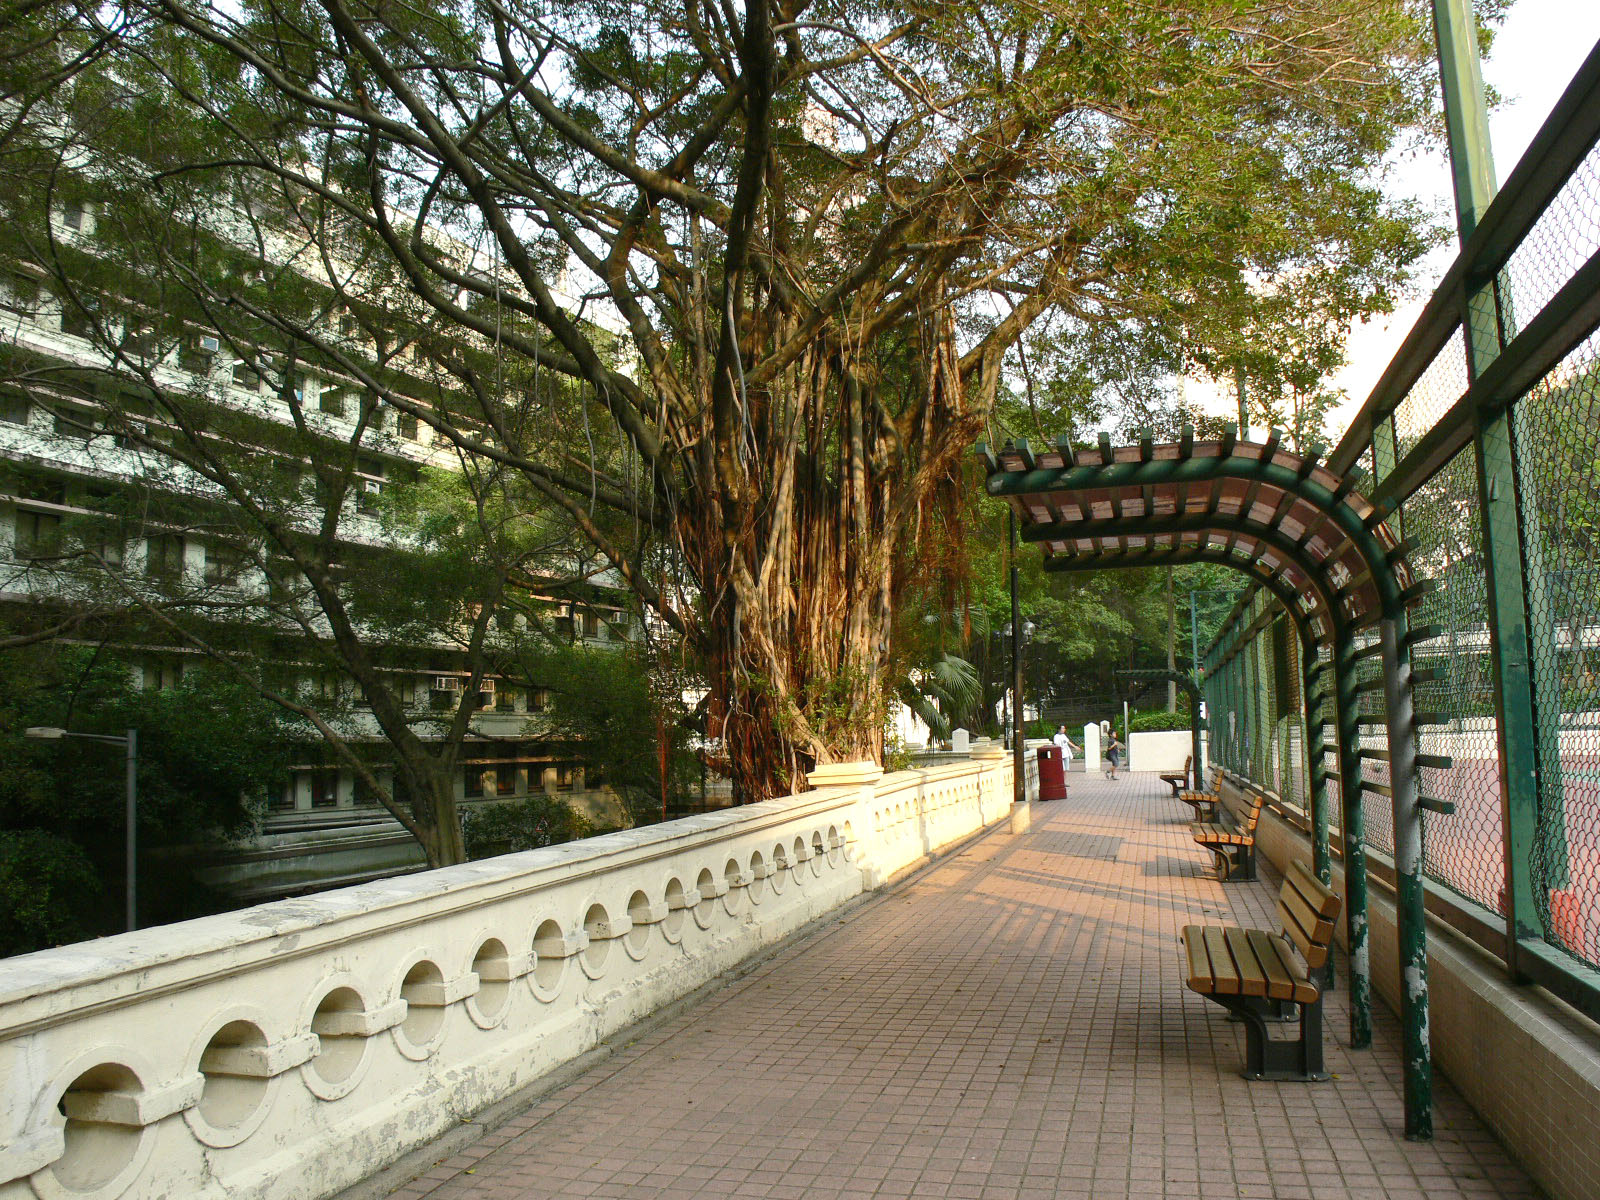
(1068, 747)
(1113, 751)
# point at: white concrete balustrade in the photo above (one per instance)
(286, 1051)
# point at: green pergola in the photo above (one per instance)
(1308, 536)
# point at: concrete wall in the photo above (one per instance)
(1165, 750)
(286, 1051)
(1527, 1063)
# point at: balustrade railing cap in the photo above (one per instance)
(845, 774)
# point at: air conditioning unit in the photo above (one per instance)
(447, 683)
(486, 686)
(208, 343)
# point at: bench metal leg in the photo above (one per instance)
(1298, 1061)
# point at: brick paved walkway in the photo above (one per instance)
(1010, 1024)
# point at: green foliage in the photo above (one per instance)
(527, 824)
(1157, 720)
(622, 713)
(50, 892)
(208, 750)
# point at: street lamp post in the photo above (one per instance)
(130, 741)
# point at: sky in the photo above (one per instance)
(1536, 52)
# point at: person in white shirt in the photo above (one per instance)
(1067, 747)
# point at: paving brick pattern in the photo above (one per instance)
(1012, 1023)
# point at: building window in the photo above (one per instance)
(223, 563)
(538, 700)
(160, 674)
(363, 794)
(163, 556)
(198, 354)
(247, 377)
(14, 408)
(406, 689)
(479, 780)
(281, 798)
(19, 292)
(107, 546)
(79, 316)
(76, 423)
(348, 325)
(564, 778)
(38, 535)
(331, 401)
(324, 789)
(506, 780)
(591, 623)
(406, 426)
(505, 700)
(72, 214)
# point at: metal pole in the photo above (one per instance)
(132, 817)
(1019, 782)
(1472, 163)
(1347, 720)
(1411, 916)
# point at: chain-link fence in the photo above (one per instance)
(1557, 439)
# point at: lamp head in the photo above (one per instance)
(47, 733)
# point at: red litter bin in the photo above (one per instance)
(1052, 773)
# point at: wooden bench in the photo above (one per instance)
(1179, 782)
(1204, 802)
(1232, 836)
(1256, 976)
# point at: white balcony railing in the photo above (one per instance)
(290, 1050)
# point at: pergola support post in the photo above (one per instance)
(1410, 912)
(1347, 720)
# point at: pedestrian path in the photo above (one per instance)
(1010, 1024)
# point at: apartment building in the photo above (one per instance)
(81, 458)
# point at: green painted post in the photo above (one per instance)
(1472, 164)
(1347, 720)
(1410, 910)
(1316, 688)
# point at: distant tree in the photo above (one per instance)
(209, 751)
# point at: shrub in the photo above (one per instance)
(1160, 719)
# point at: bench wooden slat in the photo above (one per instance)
(1194, 945)
(1280, 978)
(1301, 922)
(1224, 973)
(1316, 893)
(1295, 978)
(1254, 972)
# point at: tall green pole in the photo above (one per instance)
(1347, 722)
(1019, 779)
(1472, 165)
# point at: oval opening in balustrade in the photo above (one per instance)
(492, 965)
(420, 990)
(340, 1050)
(818, 852)
(550, 962)
(639, 914)
(758, 871)
(236, 1079)
(799, 859)
(675, 898)
(98, 1146)
(780, 867)
(597, 924)
(835, 846)
(708, 896)
(731, 879)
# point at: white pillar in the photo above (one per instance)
(1091, 747)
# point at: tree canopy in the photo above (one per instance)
(784, 253)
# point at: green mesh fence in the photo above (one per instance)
(1464, 850)
(1557, 438)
